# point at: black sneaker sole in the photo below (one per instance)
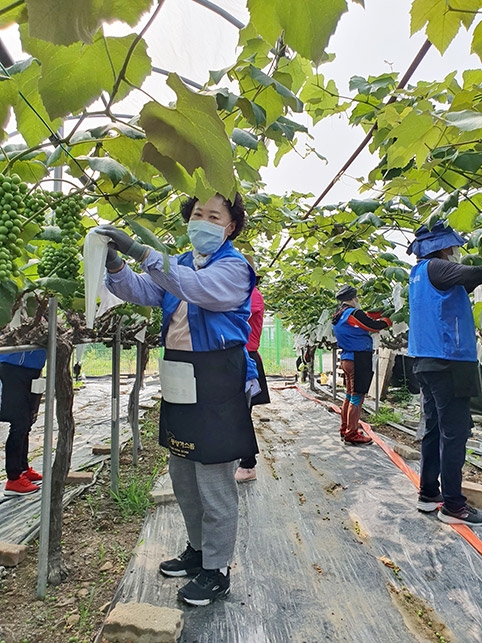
(181, 572)
(201, 602)
(358, 444)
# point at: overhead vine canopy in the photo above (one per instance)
(219, 137)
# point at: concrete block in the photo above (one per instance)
(143, 623)
(407, 453)
(473, 492)
(162, 496)
(101, 449)
(11, 555)
(79, 477)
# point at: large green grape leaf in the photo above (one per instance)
(271, 103)
(307, 25)
(73, 77)
(129, 152)
(477, 40)
(58, 285)
(8, 97)
(415, 137)
(464, 216)
(443, 21)
(467, 120)
(11, 12)
(192, 136)
(477, 312)
(31, 171)
(268, 81)
(108, 167)
(33, 122)
(320, 99)
(69, 21)
(323, 278)
(8, 293)
(148, 237)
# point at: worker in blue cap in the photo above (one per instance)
(442, 339)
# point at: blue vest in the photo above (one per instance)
(29, 359)
(351, 338)
(213, 331)
(441, 321)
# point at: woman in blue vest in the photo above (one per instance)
(441, 337)
(206, 378)
(19, 406)
(352, 328)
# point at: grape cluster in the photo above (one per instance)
(12, 191)
(60, 260)
(67, 211)
(36, 206)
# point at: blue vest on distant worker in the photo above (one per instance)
(28, 359)
(351, 338)
(441, 321)
(213, 330)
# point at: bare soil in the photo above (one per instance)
(99, 536)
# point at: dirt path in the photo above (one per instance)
(330, 548)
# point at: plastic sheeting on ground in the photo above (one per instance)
(20, 516)
(314, 531)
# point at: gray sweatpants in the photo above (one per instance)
(208, 497)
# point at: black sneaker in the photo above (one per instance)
(208, 585)
(466, 516)
(189, 563)
(427, 504)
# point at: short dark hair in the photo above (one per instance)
(236, 210)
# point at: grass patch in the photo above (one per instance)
(133, 496)
(384, 415)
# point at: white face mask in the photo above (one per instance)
(206, 237)
(456, 255)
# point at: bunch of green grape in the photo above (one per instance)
(36, 206)
(12, 195)
(67, 210)
(60, 260)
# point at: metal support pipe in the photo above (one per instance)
(19, 349)
(43, 553)
(333, 366)
(377, 381)
(114, 437)
(136, 443)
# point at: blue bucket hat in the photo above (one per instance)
(439, 237)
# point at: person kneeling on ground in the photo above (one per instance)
(352, 328)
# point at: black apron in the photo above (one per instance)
(218, 427)
(263, 396)
(363, 371)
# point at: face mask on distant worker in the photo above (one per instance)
(206, 237)
(456, 255)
